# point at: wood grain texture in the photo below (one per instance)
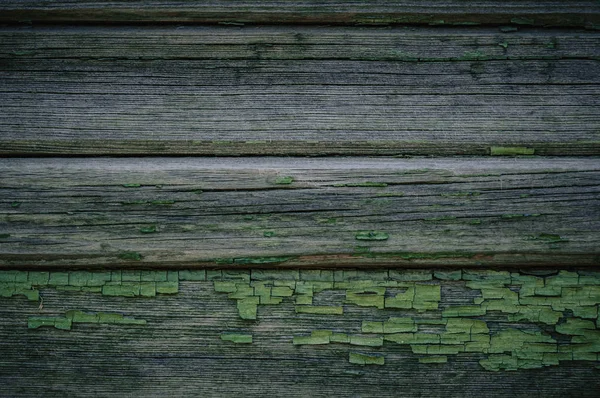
(301, 91)
(179, 352)
(205, 212)
(375, 12)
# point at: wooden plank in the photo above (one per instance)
(206, 212)
(301, 91)
(172, 344)
(540, 13)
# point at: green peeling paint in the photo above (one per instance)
(149, 229)
(366, 359)
(538, 320)
(284, 180)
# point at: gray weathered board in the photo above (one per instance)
(287, 211)
(408, 273)
(355, 12)
(297, 91)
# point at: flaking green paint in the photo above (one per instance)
(287, 180)
(559, 311)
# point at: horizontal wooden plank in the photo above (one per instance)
(301, 91)
(542, 336)
(547, 12)
(211, 212)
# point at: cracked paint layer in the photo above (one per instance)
(538, 320)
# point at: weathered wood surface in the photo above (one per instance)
(171, 344)
(376, 12)
(166, 212)
(300, 91)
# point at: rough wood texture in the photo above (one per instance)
(358, 12)
(301, 91)
(165, 212)
(184, 343)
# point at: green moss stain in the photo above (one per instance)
(511, 151)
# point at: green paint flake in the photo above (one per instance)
(131, 276)
(269, 234)
(237, 338)
(150, 229)
(433, 359)
(399, 325)
(372, 327)
(34, 322)
(135, 256)
(448, 275)
(242, 291)
(281, 291)
(366, 359)
(15, 205)
(167, 287)
(339, 338)
(574, 326)
(128, 289)
(369, 341)
(284, 180)
(38, 278)
(400, 338)
(511, 151)
(503, 44)
(463, 310)
(586, 312)
(266, 300)
(147, 289)
(371, 235)
(77, 316)
(247, 307)
(191, 275)
(226, 287)
(321, 310)
(304, 300)
(444, 349)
